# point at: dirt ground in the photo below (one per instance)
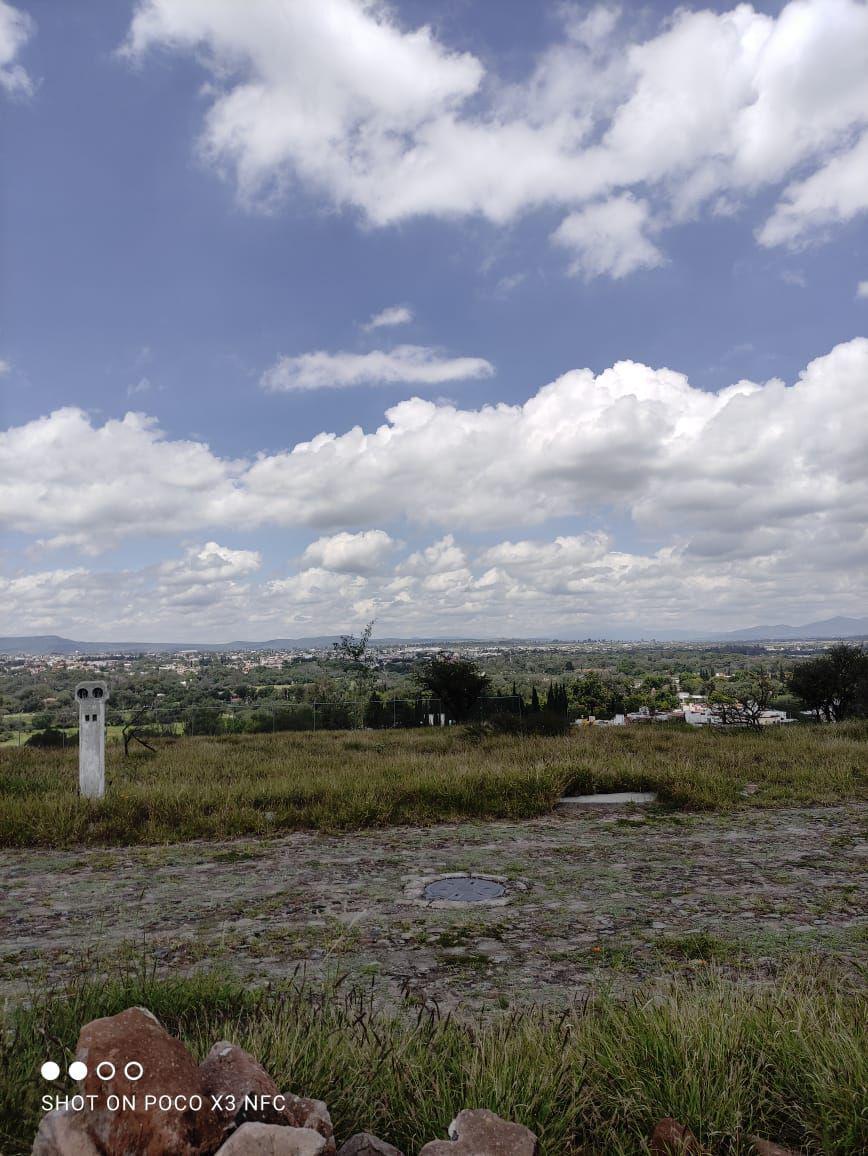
(607, 896)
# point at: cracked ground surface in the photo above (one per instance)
(619, 896)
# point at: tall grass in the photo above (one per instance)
(219, 787)
(790, 1064)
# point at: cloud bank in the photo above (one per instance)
(635, 134)
(749, 499)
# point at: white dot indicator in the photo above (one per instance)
(105, 1069)
(50, 1070)
(133, 1071)
(77, 1070)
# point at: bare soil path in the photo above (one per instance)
(608, 896)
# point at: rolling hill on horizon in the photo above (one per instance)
(829, 628)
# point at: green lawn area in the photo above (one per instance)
(338, 780)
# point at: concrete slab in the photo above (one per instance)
(612, 799)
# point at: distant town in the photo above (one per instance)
(592, 682)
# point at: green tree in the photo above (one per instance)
(51, 737)
(602, 696)
(374, 712)
(356, 658)
(591, 695)
(353, 651)
(753, 691)
(655, 692)
(457, 683)
(835, 684)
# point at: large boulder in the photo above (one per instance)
(245, 1090)
(272, 1140)
(478, 1132)
(168, 1069)
(670, 1138)
(248, 1094)
(64, 1133)
(364, 1144)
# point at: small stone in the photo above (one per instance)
(272, 1140)
(63, 1133)
(767, 1148)
(750, 789)
(478, 1132)
(670, 1138)
(305, 1113)
(233, 1075)
(168, 1069)
(364, 1144)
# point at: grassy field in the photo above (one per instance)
(209, 788)
(789, 1064)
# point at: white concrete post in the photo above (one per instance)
(92, 697)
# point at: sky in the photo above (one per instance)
(474, 319)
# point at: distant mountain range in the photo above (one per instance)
(38, 644)
(827, 628)
(55, 644)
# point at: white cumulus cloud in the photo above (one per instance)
(124, 477)
(362, 553)
(832, 195)
(609, 238)
(704, 111)
(16, 28)
(405, 364)
(573, 585)
(727, 475)
(391, 315)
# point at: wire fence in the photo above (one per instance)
(59, 727)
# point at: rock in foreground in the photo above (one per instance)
(364, 1144)
(235, 1079)
(767, 1148)
(168, 1069)
(478, 1132)
(273, 1140)
(63, 1133)
(670, 1138)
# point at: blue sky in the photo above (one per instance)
(190, 196)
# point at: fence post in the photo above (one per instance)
(314, 715)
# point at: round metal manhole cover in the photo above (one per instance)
(467, 889)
